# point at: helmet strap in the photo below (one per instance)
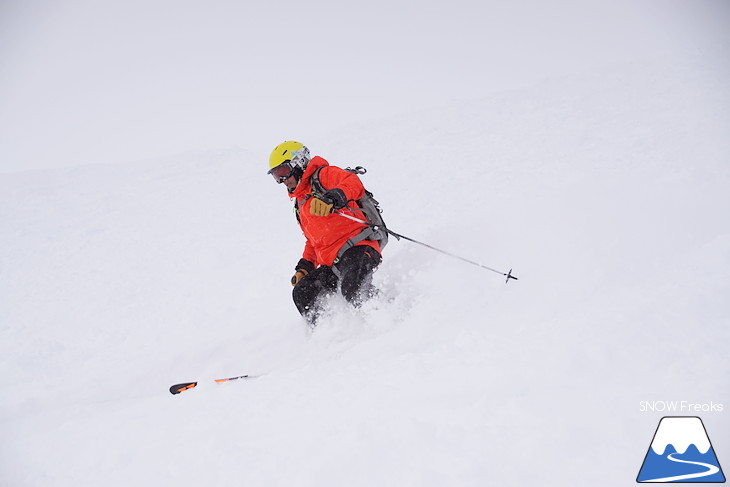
(297, 172)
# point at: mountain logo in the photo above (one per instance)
(681, 452)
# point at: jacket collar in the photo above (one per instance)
(304, 187)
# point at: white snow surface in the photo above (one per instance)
(608, 193)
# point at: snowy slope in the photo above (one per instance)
(607, 193)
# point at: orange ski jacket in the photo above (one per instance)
(327, 234)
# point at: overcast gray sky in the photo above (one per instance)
(100, 81)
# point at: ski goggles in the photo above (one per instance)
(282, 172)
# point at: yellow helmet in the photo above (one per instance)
(290, 151)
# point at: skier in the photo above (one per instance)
(337, 252)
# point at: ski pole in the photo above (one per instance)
(399, 236)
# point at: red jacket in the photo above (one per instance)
(327, 234)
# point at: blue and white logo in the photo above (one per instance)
(681, 452)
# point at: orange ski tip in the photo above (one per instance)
(178, 388)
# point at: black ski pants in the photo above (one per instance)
(353, 272)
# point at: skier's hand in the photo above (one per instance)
(323, 204)
(298, 277)
(303, 268)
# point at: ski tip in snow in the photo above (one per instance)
(178, 388)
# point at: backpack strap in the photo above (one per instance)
(314, 181)
(297, 205)
(368, 233)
